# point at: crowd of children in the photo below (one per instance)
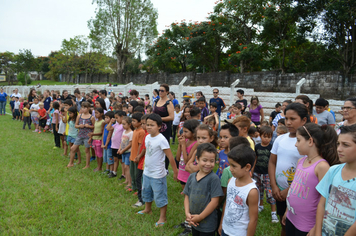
(291, 160)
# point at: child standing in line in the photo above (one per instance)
(21, 106)
(96, 136)
(137, 138)
(125, 149)
(42, 117)
(116, 142)
(240, 212)
(260, 175)
(154, 185)
(85, 123)
(55, 123)
(140, 159)
(201, 104)
(243, 124)
(177, 116)
(17, 108)
(62, 129)
(72, 131)
(26, 116)
(319, 144)
(203, 187)
(106, 143)
(337, 189)
(34, 114)
(12, 107)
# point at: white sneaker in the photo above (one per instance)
(138, 204)
(260, 208)
(274, 218)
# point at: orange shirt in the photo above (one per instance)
(42, 112)
(137, 139)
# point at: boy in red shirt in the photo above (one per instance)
(42, 117)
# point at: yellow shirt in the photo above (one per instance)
(26, 112)
(252, 143)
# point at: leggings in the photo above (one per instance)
(57, 140)
(291, 230)
(2, 108)
(174, 132)
(26, 120)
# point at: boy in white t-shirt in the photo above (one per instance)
(176, 121)
(154, 186)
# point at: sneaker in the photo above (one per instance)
(274, 217)
(137, 204)
(39, 132)
(105, 172)
(35, 131)
(260, 208)
(55, 148)
(187, 231)
(112, 175)
(92, 158)
(181, 225)
(122, 177)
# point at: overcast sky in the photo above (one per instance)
(41, 25)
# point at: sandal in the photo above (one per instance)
(159, 224)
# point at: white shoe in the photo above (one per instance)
(274, 218)
(138, 204)
(260, 208)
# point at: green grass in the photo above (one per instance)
(39, 196)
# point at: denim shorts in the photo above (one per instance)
(155, 189)
(70, 139)
(108, 158)
(82, 141)
(126, 158)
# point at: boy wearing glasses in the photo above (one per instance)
(219, 102)
(324, 117)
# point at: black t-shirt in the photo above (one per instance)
(262, 154)
(244, 103)
(274, 114)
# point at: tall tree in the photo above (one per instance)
(7, 65)
(123, 26)
(26, 62)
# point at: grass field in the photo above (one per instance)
(39, 196)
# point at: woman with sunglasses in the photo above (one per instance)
(348, 112)
(164, 107)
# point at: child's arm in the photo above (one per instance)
(140, 155)
(276, 192)
(90, 126)
(77, 125)
(206, 118)
(109, 127)
(351, 230)
(172, 162)
(57, 118)
(213, 204)
(137, 158)
(64, 117)
(320, 215)
(252, 202)
(190, 167)
(187, 209)
(223, 212)
(216, 121)
(126, 148)
(179, 151)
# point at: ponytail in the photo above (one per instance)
(211, 133)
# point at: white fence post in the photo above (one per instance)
(180, 95)
(232, 91)
(125, 88)
(299, 85)
(87, 89)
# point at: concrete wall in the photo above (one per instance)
(329, 84)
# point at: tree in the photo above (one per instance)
(26, 62)
(123, 26)
(7, 65)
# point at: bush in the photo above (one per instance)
(21, 78)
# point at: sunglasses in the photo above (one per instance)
(215, 92)
(162, 91)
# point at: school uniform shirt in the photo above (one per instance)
(340, 202)
(47, 103)
(177, 116)
(155, 157)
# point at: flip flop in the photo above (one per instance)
(141, 213)
(159, 224)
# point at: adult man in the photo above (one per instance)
(219, 102)
(242, 101)
(16, 94)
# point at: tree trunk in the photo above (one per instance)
(121, 55)
(242, 69)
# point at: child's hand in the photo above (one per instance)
(137, 159)
(181, 140)
(175, 176)
(86, 125)
(188, 217)
(195, 220)
(81, 126)
(276, 193)
(284, 218)
(112, 120)
(119, 151)
(284, 194)
(56, 128)
(102, 145)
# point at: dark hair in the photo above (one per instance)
(247, 114)
(237, 105)
(102, 103)
(144, 117)
(177, 105)
(134, 104)
(194, 111)
(156, 118)
(165, 86)
(62, 109)
(211, 133)
(240, 91)
(306, 100)
(235, 141)
(137, 116)
(325, 139)
(86, 104)
(251, 131)
(120, 113)
(277, 105)
(213, 104)
(76, 91)
(321, 102)
(206, 147)
(288, 101)
(233, 130)
(55, 105)
(243, 122)
(134, 92)
(110, 114)
(25, 104)
(95, 91)
(255, 98)
(183, 118)
(242, 155)
(125, 106)
(281, 121)
(173, 94)
(101, 111)
(139, 109)
(147, 95)
(201, 99)
(103, 92)
(75, 112)
(128, 121)
(30, 94)
(352, 100)
(68, 102)
(156, 91)
(351, 129)
(266, 130)
(191, 125)
(300, 109)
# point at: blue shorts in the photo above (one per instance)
(155, 189)
(126, 158)
(107, 155)
(70, 139)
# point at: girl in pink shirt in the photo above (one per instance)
(319, 145)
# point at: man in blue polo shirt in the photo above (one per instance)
(218, 100)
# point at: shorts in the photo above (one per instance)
(263, 184)
(42, 122)
(115, 154)
(108, 158)
(155, 189)
(17, 112)
(292, 230)
(96, 144)
(82, 141)
(34, 120)
(70, 139)
(281, 208)
(126, 158)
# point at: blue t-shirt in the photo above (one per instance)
(219, 102)
(333, 113)
(203, 113)
(3, 97)
(106, 133)
(47, 103)
(340, 202)
(175, 102)
(223, 163)
(12, 104)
